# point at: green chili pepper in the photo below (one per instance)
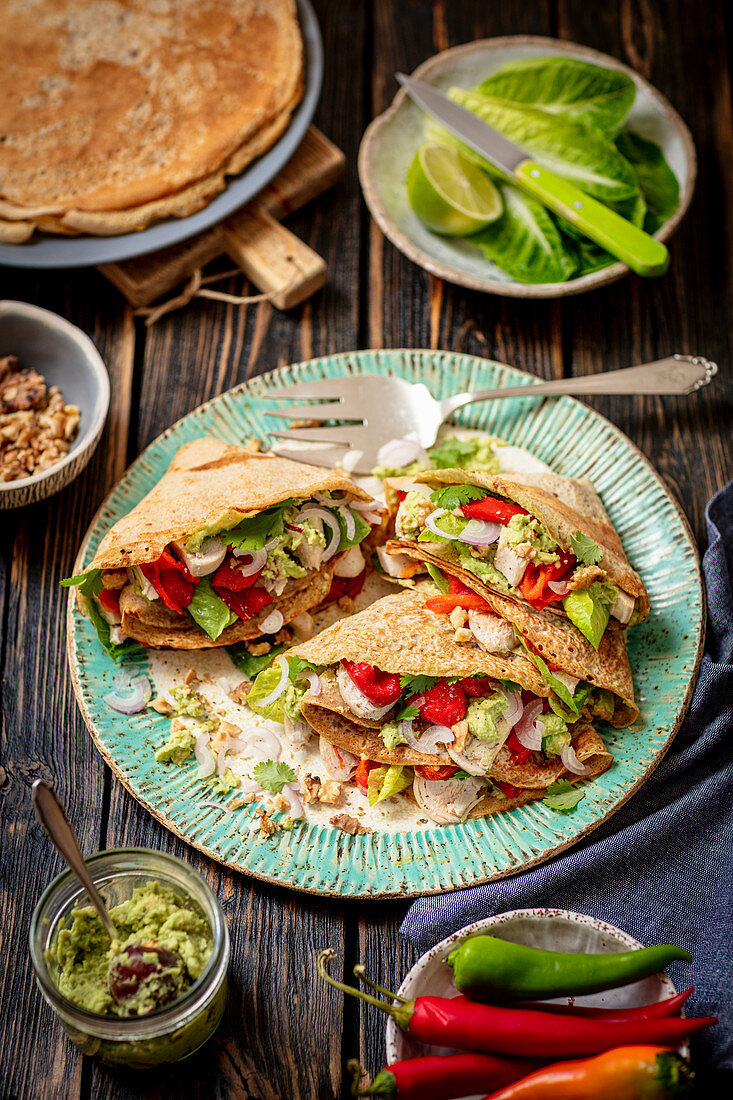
(487, 968)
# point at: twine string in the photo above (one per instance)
(194, 288)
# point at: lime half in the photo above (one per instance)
(449, 194)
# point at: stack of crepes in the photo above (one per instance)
(475, 694)
(117, 114)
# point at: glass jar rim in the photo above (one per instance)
(169, 1017)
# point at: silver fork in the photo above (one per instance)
(380, 408)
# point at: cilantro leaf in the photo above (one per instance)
(451, 496)
(508, 685)
(273, 777)
(451, 450)
(249, 665)
(410, 711)
(585, 549)
(563, 796)
(253, 533)
(440, 582)
(296, 665)
(416, 685)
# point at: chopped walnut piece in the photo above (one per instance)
(267, 825)
(346, 604)
(584, 577)
(240, 692)
(458, 617)
(236, 804)
(462, 635)
(349, 825)
(311, 786)
(228, 729)
(36, 426)
(114, 578)
(249, 798)
(260, 649)
(191, 677)
(177, 725)
(162, 705)
(330, 792)
(280, 802)
(253, 445)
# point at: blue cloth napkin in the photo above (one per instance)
(662, 867)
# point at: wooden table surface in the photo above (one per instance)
(286, 1034)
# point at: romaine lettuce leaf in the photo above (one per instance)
(209, 610)
(90, 585)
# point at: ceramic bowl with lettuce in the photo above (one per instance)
(584, 115)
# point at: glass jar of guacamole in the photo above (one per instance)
(147, 889)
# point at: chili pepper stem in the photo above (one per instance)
(356, 1070)
(359, 973)
(402, 1013)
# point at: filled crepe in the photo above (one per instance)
(541, 540)
(229, 545)
(400, 706)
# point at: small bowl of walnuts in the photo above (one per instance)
(54, 397)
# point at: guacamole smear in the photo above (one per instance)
(165, 943)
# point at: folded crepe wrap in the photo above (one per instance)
(211, 483)
(563, 505)
(399, 634)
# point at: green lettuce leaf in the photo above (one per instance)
(247, 664)
(658, 182)
(440, 582)
(565, 86)
(387, 781)
(590, 609)
(526, 242)
(567, 705)
(452, 451)
(209, 610)
(90, 585)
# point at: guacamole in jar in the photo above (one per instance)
(165, 943)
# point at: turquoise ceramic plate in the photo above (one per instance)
(664, 650)
(392, 139)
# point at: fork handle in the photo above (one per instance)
(678, 374)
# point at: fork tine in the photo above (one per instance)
(343, 433)
(332, 411)
(328, 456)
(320, 387)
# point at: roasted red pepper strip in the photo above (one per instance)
(467, 1025)
(445, 604)
(507, 789)
(625, 1073)
(534, 583)
(435, 771)
(110, 599)
(493, 510)
(361, 775)
(437, 1077)
(381, 688)
(233, 579)
(171, 580)
(520, 754)
(245, 604)
(347, 586)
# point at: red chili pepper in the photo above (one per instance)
(382, 688)
(468, 1025)
(435, 771)
(657, 1010)
(441, 1077)
(245, 604)
(361, 775)
(507, 789)
(347, 586)
(233, 579)
(493, 510)
(520, 754)
(171, 580)
(110, 599)
(443, 703)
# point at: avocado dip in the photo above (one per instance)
(165, 943)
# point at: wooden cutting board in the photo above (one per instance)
(273, 258)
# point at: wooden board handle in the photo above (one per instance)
(276, 261)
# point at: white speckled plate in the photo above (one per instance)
(548, 929)
(664, 650)
(392, 139)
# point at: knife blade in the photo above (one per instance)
(639, 250)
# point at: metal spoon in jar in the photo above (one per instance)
(132, 965)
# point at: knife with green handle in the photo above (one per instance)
(641, 252)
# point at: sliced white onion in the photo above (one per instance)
(515, 708)
(272, 623)
(429, 739)
(473, 767)
(526, 730)
(560, 588)
(339, 764)
(298, 733)
(571, 762)
(367, 506)
(315, 683)
(432, 526)
(480, 532)
(326, 517)
(349, 521)
(261, 744)
(204, 756)
(232, 744)
(296, 806)
(401, 452)
(131, 693)
(258, 559)
(282, 683)
(216, 806)
(355, 699)
(447, 801)
(250, 786)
